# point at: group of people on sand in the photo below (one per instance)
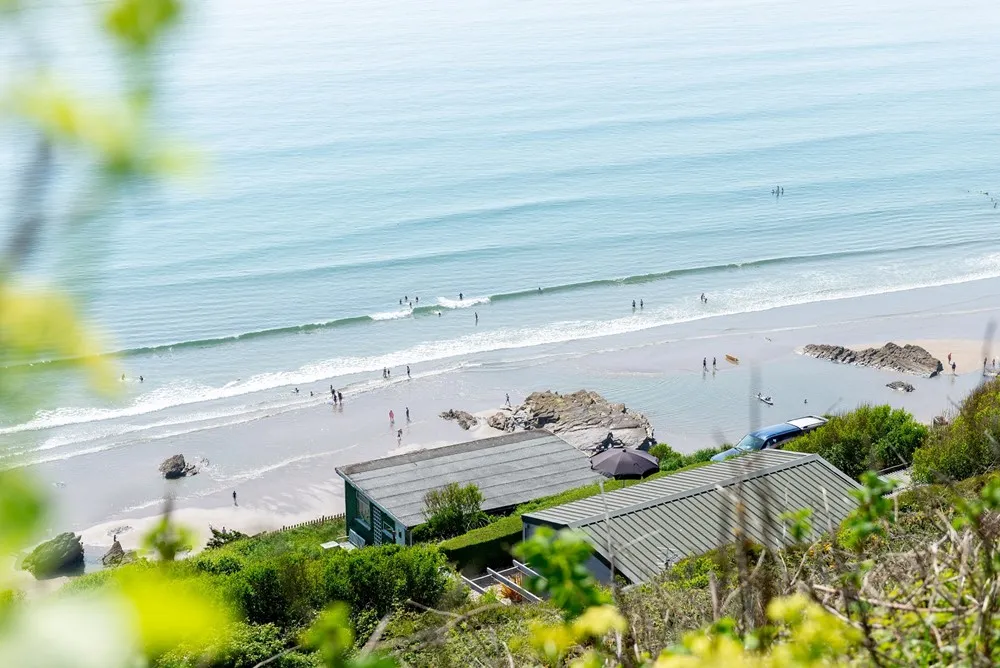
(392, 424)
(387, 372)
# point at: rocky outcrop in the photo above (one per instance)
(176, 467)
(62, 554)
(502, 420)
(906, 359)
(900, 386)
(465, 420)
(117, 556)
(582, 418)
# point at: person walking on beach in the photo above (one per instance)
(234, 498)
(508, 400)
(407, 370)
(407, 413)
(953, 369)
(704, 364)
(713, 364)
(985, 360)
(949, 358)
(392, 417)
(399, 437)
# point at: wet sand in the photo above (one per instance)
(282, 465)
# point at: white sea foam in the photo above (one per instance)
(392, 315)
(757, 297)
(444, 302)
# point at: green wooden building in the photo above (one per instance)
(384, 498)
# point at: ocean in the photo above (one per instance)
(536, 165)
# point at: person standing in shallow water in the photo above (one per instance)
(340, 398)
(392, 417)
(407, 413)
(234, 498)
(704, 364)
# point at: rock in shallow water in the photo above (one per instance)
(176, 467)
(900, 386)
(906, 359)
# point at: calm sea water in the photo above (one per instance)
(550, 162)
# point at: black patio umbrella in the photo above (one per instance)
(625, 463)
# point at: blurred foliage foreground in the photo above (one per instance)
(911, 580)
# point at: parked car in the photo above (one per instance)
(774, 436)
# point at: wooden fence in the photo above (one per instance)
(319, 520)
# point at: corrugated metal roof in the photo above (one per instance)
(659, 522)
(508, 470)
(577, 512)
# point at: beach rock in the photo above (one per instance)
(465, 420)
(900, 386)
(62, 554)
(906, 359)
(582, 418)
(502, 420)
(117, 556)
(176, 467)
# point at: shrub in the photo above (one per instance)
(381, 578)
(969, 445)
(223, 536)
(867, 438)
(453, 510)
(671, 460)
(257, 591)
(217, 564)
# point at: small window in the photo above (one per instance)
(364, 510)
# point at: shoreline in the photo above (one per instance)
(283, 464)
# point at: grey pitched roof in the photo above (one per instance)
(656, 522)
(508, 470)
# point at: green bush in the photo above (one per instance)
(257, 591)
(671, 460)
(383, 577)
(867, 438)
(453, 510)
(969, 446)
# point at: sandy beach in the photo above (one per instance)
(282, 464)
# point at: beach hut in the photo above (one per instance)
(384, 498)
(651, 525)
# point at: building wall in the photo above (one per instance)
(369, 521)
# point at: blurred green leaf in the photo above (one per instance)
(22, 508)
(139, 23)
